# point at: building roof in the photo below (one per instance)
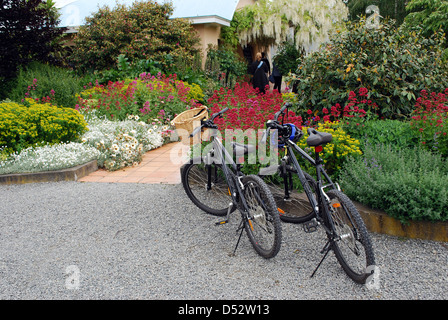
(74, 12)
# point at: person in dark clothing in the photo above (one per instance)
(276, 74)
(259, 69)
(265, 60)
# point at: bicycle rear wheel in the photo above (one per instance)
(206, 187)
(297, 208)
(263, 225)
(352, 245)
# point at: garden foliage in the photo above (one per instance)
(28, 33)
(143, 31)
(337, 151)
(286, 59)
(429, 14)
(39, 80)
(407, 183)
(149, 97)
(430, 121)
(25, 125)
(224, 65)
(392, 63)
(122, 143)
(48, 158)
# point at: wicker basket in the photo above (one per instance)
(185, 121)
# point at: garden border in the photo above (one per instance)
(379, 222)
(71, 174)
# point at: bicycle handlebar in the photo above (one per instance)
(274, 123)
(208, 123)
(286, 105)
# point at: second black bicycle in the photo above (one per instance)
(322, 203)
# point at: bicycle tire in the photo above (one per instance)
(214, 201)
(297, 209)
(352, 245)
(263, 226)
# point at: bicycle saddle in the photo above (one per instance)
(317, 138)
(242, 149)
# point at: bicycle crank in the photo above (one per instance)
(311, 226)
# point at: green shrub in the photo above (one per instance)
(393, 64)
(40, 80)
(335, 153)
(286, 58)
(22, 126)
(395, 132)
(408, 184)
(142, 31)
(224, 65)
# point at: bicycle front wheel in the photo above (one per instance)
(206, 187)
(352, 245)
(262, 225)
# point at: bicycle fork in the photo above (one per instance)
(237, 188)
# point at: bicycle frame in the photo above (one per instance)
(320, 171)
(234, 184)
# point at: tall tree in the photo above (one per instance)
(28, 30)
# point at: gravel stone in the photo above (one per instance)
(71, 240)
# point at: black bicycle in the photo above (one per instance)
(323, 203)
(215, 184)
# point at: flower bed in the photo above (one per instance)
(49, 157)
(430, 121)
(123, 143)
(149, 97)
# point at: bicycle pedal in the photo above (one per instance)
(219, 223)
(310, 226)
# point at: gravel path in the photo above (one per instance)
(74, 240)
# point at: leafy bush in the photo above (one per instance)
(142, 31)
(335, 153)
(394, 132)
(430, 121)
(286, 59)
(408, 183)
(352, 114)
(40, 80)
(22, 126)
(224, 65)
(161, 97)
(124, 69)
(430, 15)
(391, 63)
